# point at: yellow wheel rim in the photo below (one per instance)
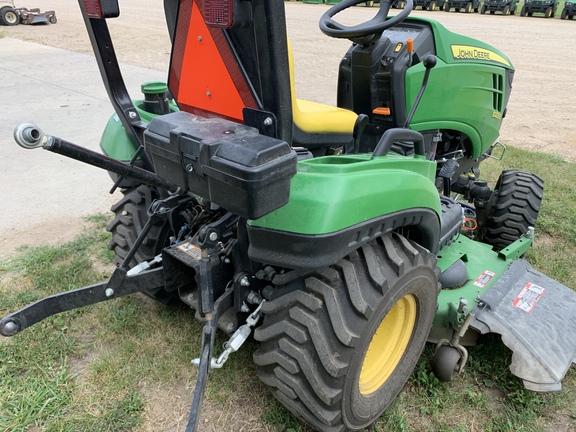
(388, 345)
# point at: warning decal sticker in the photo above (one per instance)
(190, 249)
(482, 280)
(529, 296)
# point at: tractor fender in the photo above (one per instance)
(115, 142)
(338, 203)
(118, 144)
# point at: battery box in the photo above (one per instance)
(227, 163)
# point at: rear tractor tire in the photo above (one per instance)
(338, 349)
(548, 12)
(483, 9)
(130, 217)
(523, 11)
(9, 16)
(517, 198)
(468, 7)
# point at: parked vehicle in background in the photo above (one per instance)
(546, 7)
(11, 15)
(569, 10)
(8, 14)
(466, 5)
(429, 4)
(507, 7)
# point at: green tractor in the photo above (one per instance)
(346, 237)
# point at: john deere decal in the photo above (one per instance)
(465, 52)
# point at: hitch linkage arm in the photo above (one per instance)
(30, 136)
(36, 312)
(120, 283)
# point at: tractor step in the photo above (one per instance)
(534, 314)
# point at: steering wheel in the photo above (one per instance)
(373, 27)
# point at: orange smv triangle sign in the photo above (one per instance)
(205, 82)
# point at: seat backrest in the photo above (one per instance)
(318, 125)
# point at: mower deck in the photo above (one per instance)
(533, 313)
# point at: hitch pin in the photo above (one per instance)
(236, 340)
(144, 265)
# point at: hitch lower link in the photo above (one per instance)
(122, 282)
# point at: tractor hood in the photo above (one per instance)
(453, 48)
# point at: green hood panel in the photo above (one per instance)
(453, 48)
(475, 107)
(335, 192)
(467, 91)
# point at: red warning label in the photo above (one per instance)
(482, 280)
(528, 297)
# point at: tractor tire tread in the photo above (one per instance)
(130, 217)
(308, 336)
(518, 199)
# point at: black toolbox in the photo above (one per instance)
(227, 163)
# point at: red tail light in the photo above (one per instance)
(219, 13)
(101, 8)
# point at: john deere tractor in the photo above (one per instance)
(346, 237)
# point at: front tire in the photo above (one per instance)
(518, 195)
(337, 350)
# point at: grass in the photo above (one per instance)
(124, 365)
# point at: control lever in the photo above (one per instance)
(429, 62)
